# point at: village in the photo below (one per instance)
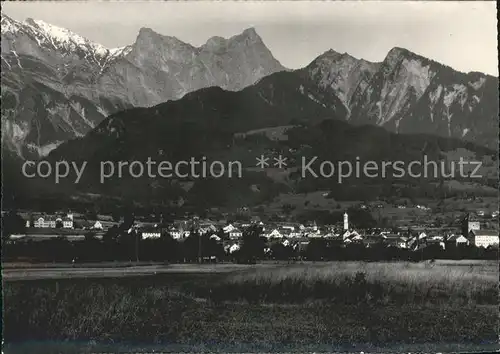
(469, 231)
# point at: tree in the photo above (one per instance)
(281, 252)
(361, 218)
(191, 247)
(211, 248)
(31, 221)
(111, 234)
(128, 221)
(253, 244)
(170, 247)
(316, 249)
(12, 223)
(91, 215)
(59, 224)
(278, 251)
(287, 208)
(116, 216)
(90, 236)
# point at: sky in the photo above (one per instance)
(462, 34)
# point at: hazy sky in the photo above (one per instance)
(462, 35)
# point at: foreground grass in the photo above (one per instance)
(170, 309)
(354, 282)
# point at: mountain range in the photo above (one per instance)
(410, 94)
(286, 114)
(65, 97)
(57, 85)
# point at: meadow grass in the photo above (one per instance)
(347, 282)
(273, 305)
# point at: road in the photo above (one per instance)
(27, 271)
(11, 273)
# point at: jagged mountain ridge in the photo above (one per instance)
(343, 73)
(209, 116)
(85, 82)
(208, 122)
(413, 94)
(406, 93)
(167, 68)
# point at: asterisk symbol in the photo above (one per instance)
(262, 161)
(280, 161)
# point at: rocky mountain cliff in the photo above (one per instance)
(408, 93)
(159, 68)
(57, 85)
(343, 73)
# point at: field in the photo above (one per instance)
(341, 306)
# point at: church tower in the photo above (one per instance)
(470, 223)
(346, 221)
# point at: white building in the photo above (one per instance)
(470, 223)
(45, 222)
(458, 240)
(215, 237)
(97, 225)
(53, 222)
(485, 238)
(274, 234)
(402, 242)
(174, 233)
(351, 236)
(67, 222)
(346, 221)
(150, 234)
(227, 229)
(232, 248)
(235, 233)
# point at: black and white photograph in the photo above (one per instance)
(250, 177)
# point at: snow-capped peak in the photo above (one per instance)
(64, 41)
(59, 33)
(114, 52)
(58, 36)
(9, 25)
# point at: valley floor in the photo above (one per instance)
(347, 307)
